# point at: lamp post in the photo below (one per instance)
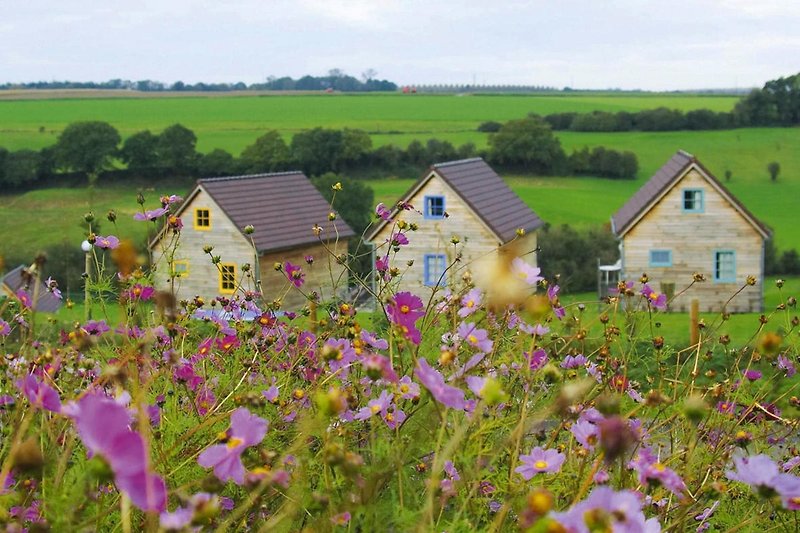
(86, 246)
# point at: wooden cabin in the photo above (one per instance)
(684, 221)
(283, 209)
(465, 199)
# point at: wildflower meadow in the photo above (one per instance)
(481, 404)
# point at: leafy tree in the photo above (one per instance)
(176, 150)
(87, 147)
(217, 162)
(440, 151)
(790, 262)
(3, 159)
(268, 154)
(140, 151)
(528, 144)
(573, 254)
(22, 167)
(318, 150)
(491, 126)
(774, 168)
(416, 153)
(356, 144)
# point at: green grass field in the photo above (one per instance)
(46, 217)
(232, 123)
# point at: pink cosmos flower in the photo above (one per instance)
(246, 430)
(102, 424)
(536, 359)
(399, 239)
(475, 337)
(382, 264)
(24, 298)
(52, 287)
(371, 339)
(374, 407)
(404, 311)
(751, 374)
(657, 300)
(151, 215)
(785, 364)
(586, 433)
(109, 242)
(171, 199)
(5, 328)
(228, 343)
(470, 303)
(382, 212)
(294, 274)
(407, 389)
(574, 361)
(540, 461)
(139, 292)
(526, 272)
(434, 382)
(764, 476)
(652, 471)
(40, 394)
(341, 519)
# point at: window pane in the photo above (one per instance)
(725, 266)
(434, 268)
(660, 258)
(434, 206)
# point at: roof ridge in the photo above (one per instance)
(685, 153)
(457, 162)
(250, 176)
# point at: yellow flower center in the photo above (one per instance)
(404, 309)
(540, 464)
(390, 417)
(660, 467)
(404, 388)
(233, 442)
(470, 303)
(375, 408)
(473, 339)
(654, 296)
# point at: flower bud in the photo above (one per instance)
(695, 408)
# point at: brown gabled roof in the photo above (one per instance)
(282, 207)
(14, 280)
(658, 185)
(487, 195)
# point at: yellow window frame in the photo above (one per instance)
(180, 274)
(227, 278)
(197, 217)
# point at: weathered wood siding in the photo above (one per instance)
(203, 277)
(434, 237)
(324, 275)
(693, 239)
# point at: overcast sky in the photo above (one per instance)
(583, 44)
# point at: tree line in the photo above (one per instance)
(96, 148)
(776, 104)
(336, 80)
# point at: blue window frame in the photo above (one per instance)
(692, 201)
(434, 207)
(660, 258)
(724, 266)
(434, 266)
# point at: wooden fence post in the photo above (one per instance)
(694, 321)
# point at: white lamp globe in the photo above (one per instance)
(86, 246)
